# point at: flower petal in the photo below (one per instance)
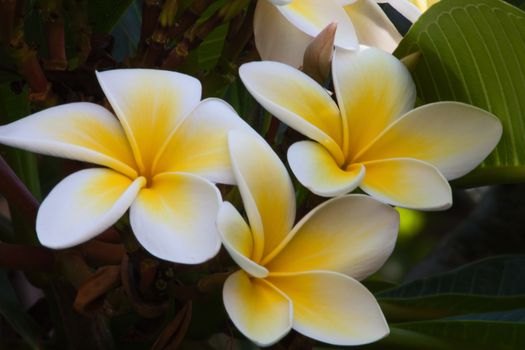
(83, 205)
(150, 105)
(332, 307)
(281, 40)
(318, 171)
(346, 2)
(312, 16)
(237, 239)
(372, 25)
(200, 144)
(297, 100)
(408, 183)
(175, 218)
(266, 190)
(452, 136)
(354, 235)
(260, 311)
(81, 131)
(373, 89)
(404, 7)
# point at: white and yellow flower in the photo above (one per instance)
(305, 276)
(284, 28)
(159, 160)
(374, 139)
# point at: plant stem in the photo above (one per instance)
(21, 257)
(17, 193)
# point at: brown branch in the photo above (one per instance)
(26, 59)
(81, 29)
(7, 19)
(191, 39)
(99, 253)
(27, 258)
(53, 21)
(150, 15)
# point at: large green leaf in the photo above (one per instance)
(127, 32)
(490, 331)
(474, 51)
(491, 284)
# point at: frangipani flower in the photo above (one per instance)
(303, 277)
(411, 9)
(283, 29)
(374, 139)
(159, 159)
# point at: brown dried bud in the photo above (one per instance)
(318, 55)
(105, 279)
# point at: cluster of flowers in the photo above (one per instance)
(166, 149)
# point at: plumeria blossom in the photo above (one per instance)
(284, 28)
(411, 9)
(374, 139)
(305, 276)
(159, 160)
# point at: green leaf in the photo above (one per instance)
(491, 284)
(210, 11)
(491, 331)
(127, 32)
(473, 51)
(210, 50)
(13, 312)
(104, 14)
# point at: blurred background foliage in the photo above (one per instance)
(455, 281)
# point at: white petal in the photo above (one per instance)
(332, 308)
(237, 239)
(354, 235)
(372, 25)
(200, 144)
(80, 131)
(266, 190)
(150, 105)
(312, 16)
(260, 311)
(373, 89)
(346, 2)
(407, 183)
(318, 171)
(297, 100)
(83, 205)
(276, 38)
(452, 136)
(175, 218)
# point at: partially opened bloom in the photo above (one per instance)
(159, 159)
(305, 276)
(283, 29)
(374, 139)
